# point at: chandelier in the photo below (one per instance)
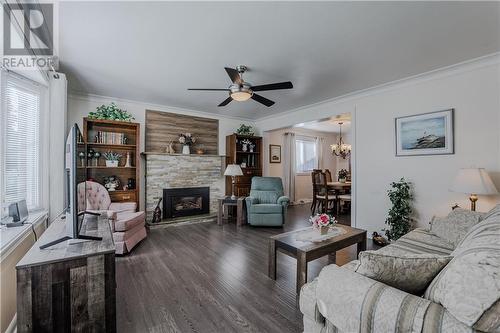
(340, 148)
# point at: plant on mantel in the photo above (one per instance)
(399, 217)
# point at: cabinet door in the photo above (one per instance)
(242, 190)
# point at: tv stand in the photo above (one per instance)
(65, 238)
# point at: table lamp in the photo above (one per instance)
(233, 170)
(473, 181)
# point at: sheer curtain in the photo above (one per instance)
(320, 143)
(289, 163)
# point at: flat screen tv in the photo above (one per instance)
(76, 192)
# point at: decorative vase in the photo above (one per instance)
(323, 230)
(342, 180)
(251, 149)
(186, 150)
(244, 147)
(127, 163)
(111, 164)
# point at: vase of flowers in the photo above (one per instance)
(245, 144)
(187, 140)
(343, 173)
(322, 222)
(112, 159)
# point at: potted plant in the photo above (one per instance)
(187, 140)
(322, 222)
(343, 173)
(112, 159)
(246, 130)
(399, 217)
(111, 112)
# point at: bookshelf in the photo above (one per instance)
(250, 162)
(116, 136)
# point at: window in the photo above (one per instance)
(20, 130)
(305, 154)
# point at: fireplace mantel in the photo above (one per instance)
(183, 155)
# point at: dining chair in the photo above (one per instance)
(328, 175)
(322, 196)
(314, 190)
(343, 201)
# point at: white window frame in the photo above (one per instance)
(43, 133)
(306, 139)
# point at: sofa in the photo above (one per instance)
(464, 296)
(266, 205)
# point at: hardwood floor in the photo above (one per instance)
(210, 278)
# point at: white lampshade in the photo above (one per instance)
(473, 181)
(233, 170)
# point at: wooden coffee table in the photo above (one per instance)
(307, 251)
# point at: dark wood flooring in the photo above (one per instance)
(210, 278)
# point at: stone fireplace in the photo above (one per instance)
(175, 172)
(184, 201)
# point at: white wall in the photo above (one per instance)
(303, 183)
(472, 89)
(79, 107)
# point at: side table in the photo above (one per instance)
(223, 213)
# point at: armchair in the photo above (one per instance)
(126, 224)
(266, 205)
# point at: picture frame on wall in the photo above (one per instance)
(425, 134)
(274, 154)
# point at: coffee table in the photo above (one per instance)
(305, 251)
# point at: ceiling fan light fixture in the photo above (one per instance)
(241, 96)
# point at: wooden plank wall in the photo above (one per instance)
(163, 127)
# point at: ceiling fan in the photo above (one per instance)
(241, 91)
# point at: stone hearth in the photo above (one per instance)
(165, 171)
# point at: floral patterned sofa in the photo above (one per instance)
(463, 297)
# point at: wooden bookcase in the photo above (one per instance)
(253, 161)
(97, 171)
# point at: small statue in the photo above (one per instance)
(157, 212)
(170, 148)
(111, 183)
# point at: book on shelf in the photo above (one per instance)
(111, 138)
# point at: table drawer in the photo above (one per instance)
(122, 196)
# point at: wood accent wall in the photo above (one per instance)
(163, 127)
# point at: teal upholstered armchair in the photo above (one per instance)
(266, 205)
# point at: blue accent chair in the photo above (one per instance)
(266, 205)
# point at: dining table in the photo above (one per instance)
(339, 185)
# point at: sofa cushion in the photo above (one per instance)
(128, 220)
(408, 272)
(121, 236)
(418, 241)
(455, 226)
(266, 209)
(307, 302)
(469, 286)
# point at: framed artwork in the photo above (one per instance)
(425, 134)
(274, 154)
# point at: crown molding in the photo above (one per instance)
(152, 106)
(455, 69)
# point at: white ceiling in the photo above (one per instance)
(329, 125)
(154, 51)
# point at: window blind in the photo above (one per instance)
(21, 139)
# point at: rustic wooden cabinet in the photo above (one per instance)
(250, 160)
(68, 287)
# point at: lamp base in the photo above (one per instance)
(473, 198)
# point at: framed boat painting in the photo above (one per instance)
(425, 134)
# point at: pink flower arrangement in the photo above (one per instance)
(322, 220)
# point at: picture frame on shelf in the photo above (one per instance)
(274, 153)
(425, 134)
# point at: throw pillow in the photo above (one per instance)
(455, 226)
(411, 273)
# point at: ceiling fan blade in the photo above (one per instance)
(273, 86)
(226, 101)
(263, 100)
(208, 89)
(234, 75)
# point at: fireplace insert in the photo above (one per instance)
(186, 201)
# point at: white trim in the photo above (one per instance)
(12, 328)
(152, 106)
(465, 66)
(8, 245)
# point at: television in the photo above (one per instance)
(76, 192)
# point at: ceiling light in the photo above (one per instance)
(241, 96)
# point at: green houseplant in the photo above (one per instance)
(245, 130)
(399, 217)
(111, 112)
(112, 158)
